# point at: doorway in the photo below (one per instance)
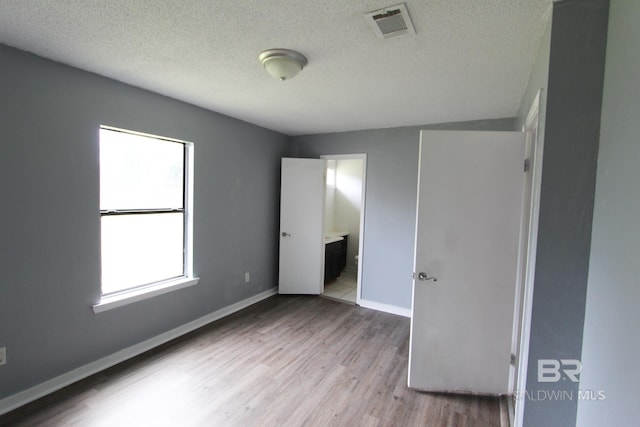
(344, 226)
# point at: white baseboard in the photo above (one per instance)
(400, 311)
(22, 398)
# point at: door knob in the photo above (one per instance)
(285, 234)
(422, 276)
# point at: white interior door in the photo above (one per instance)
(467, 233)
(302, 226)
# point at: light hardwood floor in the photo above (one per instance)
(287, 361)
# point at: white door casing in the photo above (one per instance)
(528, 257)
(467, 236)
(302, 193)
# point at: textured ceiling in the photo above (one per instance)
(469, 59)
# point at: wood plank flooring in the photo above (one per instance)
(287, 361)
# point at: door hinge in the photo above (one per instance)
(527, 165)
(512, 359)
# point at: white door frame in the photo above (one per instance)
(363, 157)
(523, 322)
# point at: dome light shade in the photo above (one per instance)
(283, 64)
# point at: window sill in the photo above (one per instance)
(115, 301)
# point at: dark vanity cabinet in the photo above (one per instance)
(335, 259)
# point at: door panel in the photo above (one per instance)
(467, 233)
(302, 226)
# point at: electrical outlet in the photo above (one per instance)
(3, 355)
(247, 277)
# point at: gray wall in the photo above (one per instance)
(390, 210)
(574, 95)
(611, 349)
(49, 232)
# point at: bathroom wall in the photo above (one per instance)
(348, 197)
(330, 199)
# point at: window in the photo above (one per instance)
(145, 217)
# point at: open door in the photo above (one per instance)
(466, 257)
(302, 226)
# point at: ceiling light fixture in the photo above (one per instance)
(283, 64)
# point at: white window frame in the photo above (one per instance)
(125, 297)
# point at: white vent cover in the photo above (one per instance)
(390, 22)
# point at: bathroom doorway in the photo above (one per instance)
(344, 226)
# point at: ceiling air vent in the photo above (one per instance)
(390, 22)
